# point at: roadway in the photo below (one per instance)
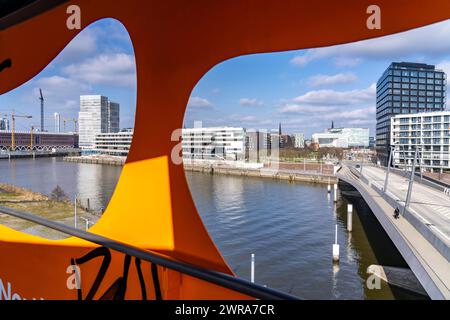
(431, 205)
(418, 242)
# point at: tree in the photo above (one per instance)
(58, 194)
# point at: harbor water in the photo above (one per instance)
(290, 227)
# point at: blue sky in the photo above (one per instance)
(304, 90)
(100, 60)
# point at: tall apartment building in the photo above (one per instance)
(97, 115)
(406, 88)
(113, 117)
(217, 143)
(429, 133)
(4, 124)
(57, 117)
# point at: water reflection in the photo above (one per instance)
(291, 228)
(88, 181)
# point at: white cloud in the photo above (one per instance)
(243, 118)
(426, 41)
(83, 45)
(60, 93)
(335, 98)
(445, 66)
(357, 114)
(198, 102)
(326, 80)
(295, 108)
(117, 69)
(59, 86)
(250, 102)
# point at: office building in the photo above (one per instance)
(114, 143)
(299, 140)
(342, 138)
(406, 88)
(429, 133)
(216, 143)
(97, 115)
(372, 142)
(257, 145)
(40, 141)
(286, 141)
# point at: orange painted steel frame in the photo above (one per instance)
(176, 42)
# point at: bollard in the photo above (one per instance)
(75, 212)
(335, 193)
(349, 217)
(252, 276)
(336, 248)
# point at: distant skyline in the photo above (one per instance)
(303, 89)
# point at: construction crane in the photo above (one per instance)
(42, 109)
(13, 118)
(75, 122)
(31, 138)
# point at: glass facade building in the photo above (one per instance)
(406, 88)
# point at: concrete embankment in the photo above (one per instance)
(113, 161)
(38, 154)
(266, 173)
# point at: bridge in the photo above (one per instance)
(422, 233)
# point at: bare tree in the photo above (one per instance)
(58, 194)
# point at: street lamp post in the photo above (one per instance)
(411, 181)
(75, 212)
(388, 169)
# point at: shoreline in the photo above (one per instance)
(59, 210)
(295, 175)
(290, 176)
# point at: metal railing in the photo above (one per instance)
(215, 277)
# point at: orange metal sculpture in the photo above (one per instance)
(176, 42)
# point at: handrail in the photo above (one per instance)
(215, 277)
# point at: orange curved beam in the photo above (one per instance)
(176, 42)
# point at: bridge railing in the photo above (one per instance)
(211, 276)
(410, 215)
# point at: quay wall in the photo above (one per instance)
(292, 176)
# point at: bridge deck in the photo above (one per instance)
(428, 264)
(432, 205)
